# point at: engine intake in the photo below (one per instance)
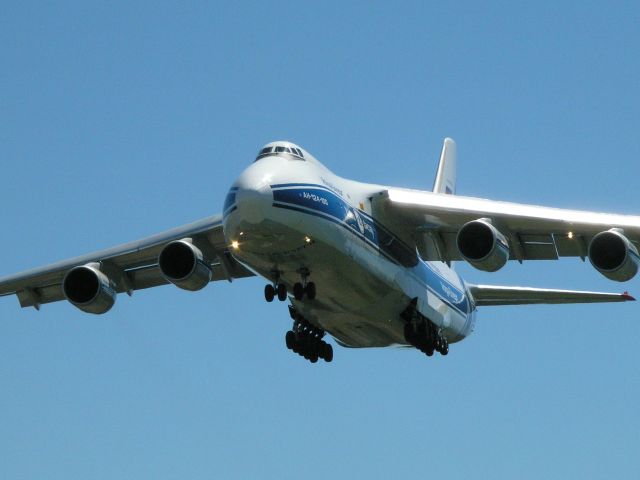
(614, 256)
(482, 245)
(183, 264)
(89, 289)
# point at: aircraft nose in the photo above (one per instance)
(254, 196)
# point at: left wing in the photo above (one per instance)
(493, 295)
(128, 267)
(431, 221)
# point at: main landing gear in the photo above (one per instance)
(422, 333)
(306, 340)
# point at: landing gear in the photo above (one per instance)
(300, 289)
(276, 289)
(423, 334)
(310, 290)
(269, 293)
(306, 340)
(282, 292)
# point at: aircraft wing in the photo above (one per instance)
(493, 295)
(533, 232)
(131, 266)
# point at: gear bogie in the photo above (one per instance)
(426, 337)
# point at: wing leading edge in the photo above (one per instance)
(533, 232)
(494, 295)
(131, 266)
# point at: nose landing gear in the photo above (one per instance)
(276, 289)
(300, 289)
(271, 291)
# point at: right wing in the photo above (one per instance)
(131, 266)
(493, 295)
(533, 232)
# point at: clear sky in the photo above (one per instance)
(122, 119)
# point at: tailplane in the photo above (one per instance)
(487, 295)
(446, 176)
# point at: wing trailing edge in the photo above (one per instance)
(495, 295)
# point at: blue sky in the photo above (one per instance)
(122, 119)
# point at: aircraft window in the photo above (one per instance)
(265, 150)
(299, 152)
(279, 149)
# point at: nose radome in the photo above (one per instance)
(254, 196)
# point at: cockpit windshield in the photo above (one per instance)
(293, 152)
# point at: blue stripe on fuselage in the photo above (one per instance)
(319, 201)
(442, 288)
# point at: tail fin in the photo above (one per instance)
(446, 176)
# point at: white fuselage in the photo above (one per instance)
(286, 216)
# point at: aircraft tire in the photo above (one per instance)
(290, 339)
(269, 293)
(282, 292)
(328, 354)
(310, 290)
(298, 291)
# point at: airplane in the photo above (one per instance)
(370, 265)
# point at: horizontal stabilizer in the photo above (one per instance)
(486, 295)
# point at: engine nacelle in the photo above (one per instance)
(183, 264)
(614, 256)
(482, 245)
(89, 289)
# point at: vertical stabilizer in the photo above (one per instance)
(446, 176)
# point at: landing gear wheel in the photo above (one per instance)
(298, 291)
(282, 292)
(328, 353)
(269, 293)
(310, 290)
(290, 339)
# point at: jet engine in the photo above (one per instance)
(614, 256)
(183, 264)
(482, 245)
(89, 289)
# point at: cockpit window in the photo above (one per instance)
(266, 151)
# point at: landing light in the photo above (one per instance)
(307, 239)
(235, 245)
(570, 235)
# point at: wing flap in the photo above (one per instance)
(495, 295)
